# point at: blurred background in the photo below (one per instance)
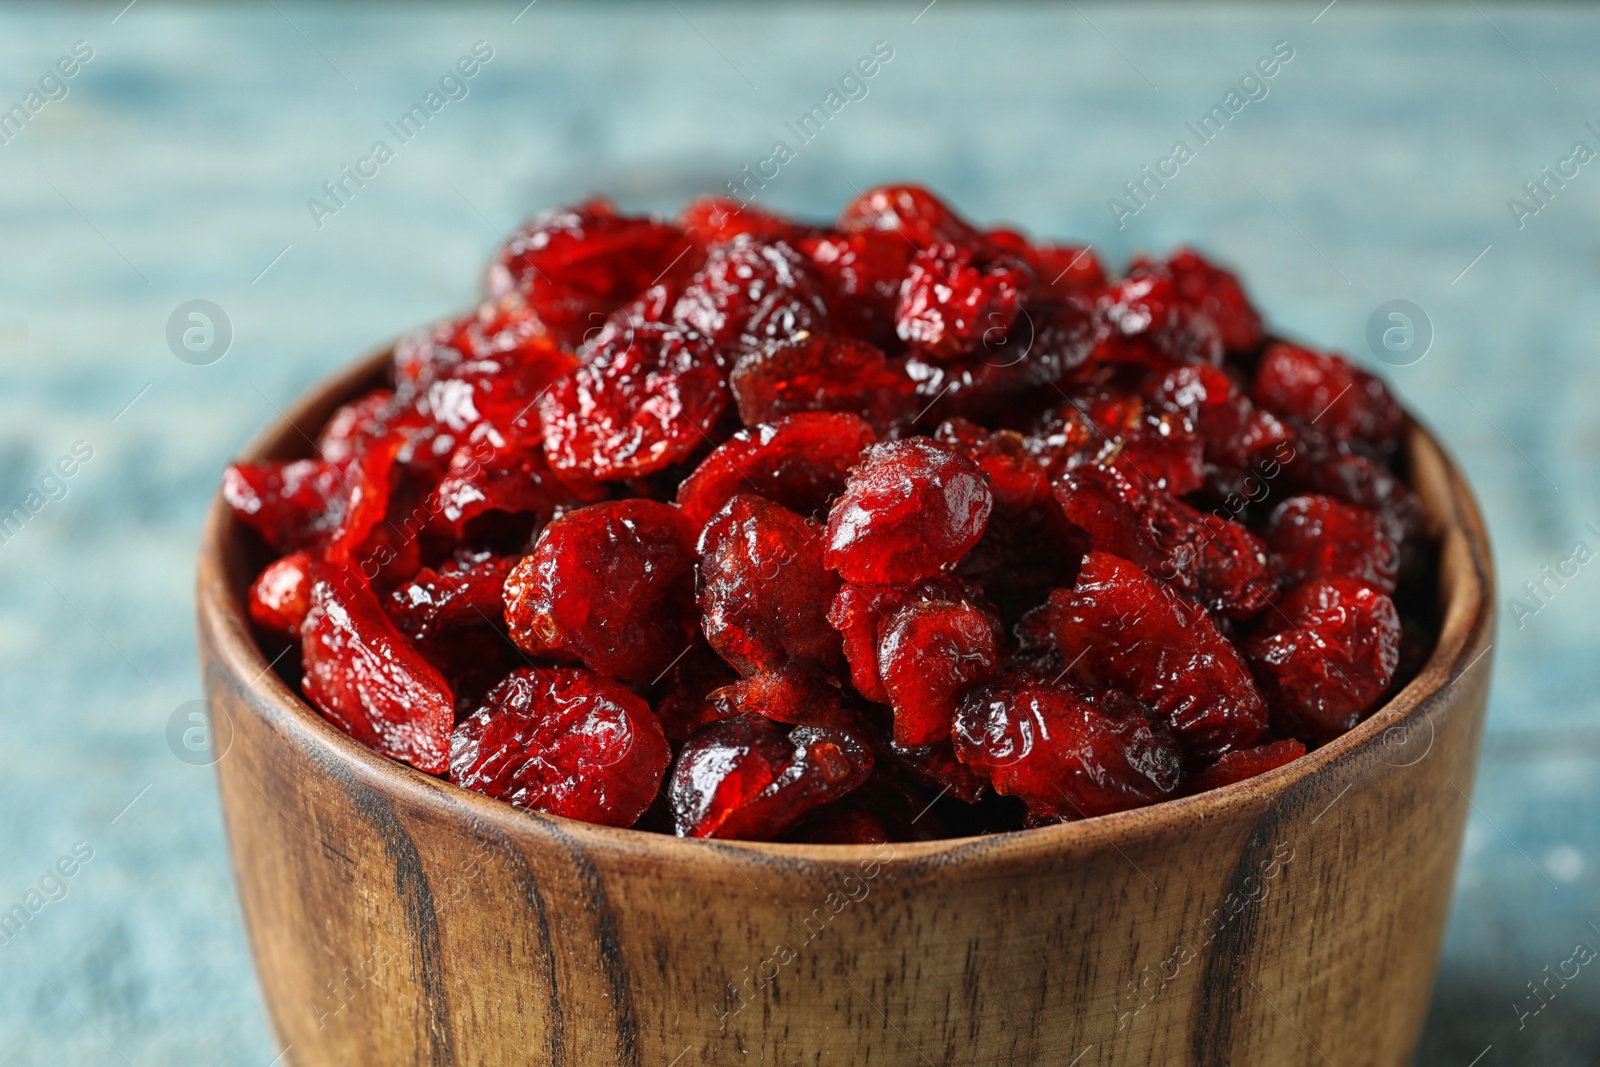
(1387, 160)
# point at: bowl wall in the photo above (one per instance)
(1293, 918)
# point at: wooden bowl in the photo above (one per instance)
(1291, 919)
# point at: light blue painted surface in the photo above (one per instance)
(178, 167)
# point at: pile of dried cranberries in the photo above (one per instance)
(893, 529)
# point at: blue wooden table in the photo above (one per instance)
(162, 155)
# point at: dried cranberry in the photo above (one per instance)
(685, 705)
(516, 480)
(790, 696)
(280, 596)
(1325, 656)
(1316, 388)
(292, 504)
(1064, 757)
(608, 584)
(764, 592)
(1314, 536)
(863, 271)
(1217, 294)
(715, 220)
(466, 593)
(575, 265)
(821, 372)
(744, 778)
(929, 654)
(799, 461)
(1120, 628)
(954, 299)
(750, 291)
(1063, 271)
(1246, 763)
(1235, 433)
(367, 679)
(909, 210)
(910, 508)
(563, 741)
(1143, 320)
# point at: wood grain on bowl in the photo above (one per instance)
(1292, 918)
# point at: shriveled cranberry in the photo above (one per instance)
(575, 265)
(1064, 757)
(503, 335)
(1029, 547)
(909, 210)
(745, 778)
(367, 679)
(936, 767)
(764, 592)
(563, 741)
(799, 461)
(1318, 388)
(1246, 763)
(610, 585)
(1035, 649)
(354, 426)
(790, 696)
(954, 299)
(1312, 536)
(483, 483)
(1325, 656)
(292, 504)
(1211, 558)
(863, 271)
(1331, 469)
(929, 654)
(1236, 434)
(369, 482)
(1217, 294)
(822, 372)
(750, 291)
(716, 219)
(910, 508)
(685, 705)
(860, 613)
(640, 412)
(1120, 628)
(1143, 320)
(464, 593)
(1062, 271)
(280, 596)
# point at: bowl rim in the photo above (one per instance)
(1466, 617)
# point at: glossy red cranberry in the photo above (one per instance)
(746, 778)
(608, 585)
(1120, 628)
(821, 373)
(863, 271)
(1217, 294)
(1064, 757)
(292, 505)
(1325, 656)
(563, 741)
(910, 508)
(956, 300)
(367, 679)
(764, 592)
(463, 594)
(750, 291)
(1320, 389)
(799, 461)
(280, 596)
(1246, 763)
(908, 210)
(1312, 536)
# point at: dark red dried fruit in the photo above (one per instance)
(860, 613)
(790, 696)
(1143, 321)
(684, 705)
(1325, 656)
(462, 594)
(292, 505)
(1206, 556)
(1246, 763)
(1111, 428)
(1312, 536)
(863, 272)
(910, 508)
(1217, 294)
(280, 596)
(563, 741)
(609, 585)
(929, 654)
(750, 291)
(799, 461)
(363, 675)
(955, 300)
(483, 484)
(1062, 755)
(764, 592)
(1236, 433)
(909, 210)
(821, 372)
(1120, 628)
(1321, 389)
(744, 778)
(713, 220)
(576, 265)
(1062, 271)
